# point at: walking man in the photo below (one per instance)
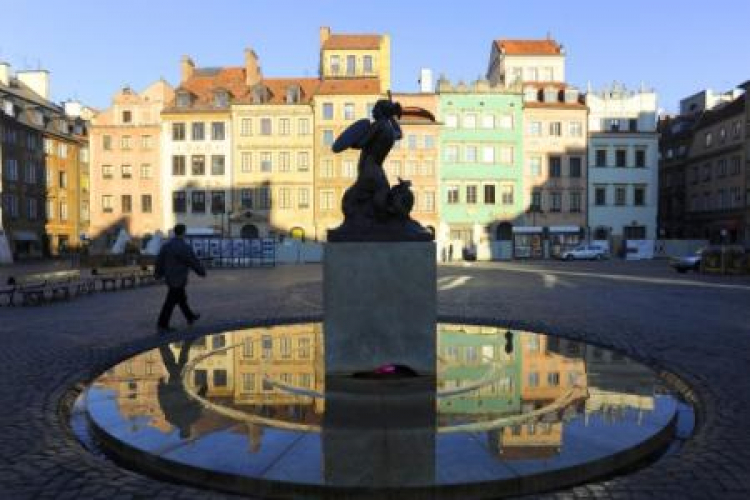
(173, 263)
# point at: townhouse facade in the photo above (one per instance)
(622, 165)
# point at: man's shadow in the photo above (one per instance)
(179, 409)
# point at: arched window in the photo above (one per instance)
(504, 231)
(249, 232)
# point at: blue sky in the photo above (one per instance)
(93, 47)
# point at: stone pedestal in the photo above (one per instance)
(380, 306)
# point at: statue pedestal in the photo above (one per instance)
(380, 306)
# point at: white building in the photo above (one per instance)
(623, 165)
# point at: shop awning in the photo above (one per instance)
(564, 229)
(527, 230)
(21, 235)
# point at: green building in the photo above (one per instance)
(481, 171)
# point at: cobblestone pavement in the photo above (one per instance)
(693, 326)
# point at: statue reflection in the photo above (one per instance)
(179, 409)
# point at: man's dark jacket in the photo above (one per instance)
(174, 262)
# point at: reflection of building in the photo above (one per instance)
(273, 151)
(466, 355)
(622, 165)
(126, 180)
(215, 373)
(288, 354)
(481, 167)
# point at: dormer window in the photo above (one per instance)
(530, 94)
(127, 116)
(8, 108)
(571, 95)
(183, 99)
(550, 94)
(260, 94)
(293, 94)
(221, 98)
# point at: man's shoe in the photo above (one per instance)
(195, 318)
(163, 330)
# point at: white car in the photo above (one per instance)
(589, 252)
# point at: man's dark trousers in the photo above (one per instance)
(175, 296)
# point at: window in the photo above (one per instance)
(198, 164)
(488, 154)
(555, 129)
(706, 172)
(634, 232)
(246, 198)
(601, 157)
(107, 205)
(547, 74)
(506, 155)
(146, 203)
(146, 171)
(246, 127)
(736, 129)
(574, 162)
(217, 202)
(367, 64)
(335, 65)
(285, 198)
(452, 193)
(126, 171)
(575, 129)
(303, 198)
(621, 195)
(220, 378)
(639, 196)
(489, 194)
(575, 201)
(621, 158)
(506, 122)
(536, 201)
(428, 201)
(285, 127)
(328, 137)
(126, 202)
(217, 131)
(471, 194)
(248, 379)
(533, 379)
(553, 379)
(351, 65)
(735, 166)
(535, 129)
(198, 202)
(326, 169)
(709, 139)
(183, 99)
(721, 168)
(326, 200)
(470, 120)
(265, 162)
(470, 154)
(198, 131)
(124, 143)
(555, 166)
(328, 111)
(507, 195)
(303, 126)
(640, 158)
(179, 202)
(429, 142)
(246, 162)
(555, 201)
(535, 166)
(178, 165)
(284, 162)
(107, 172)
(412, 141)
(106, 143)
(600, 196)
(147, 142)
(451, 154)
(217, 165)
(303, 161)
(349, 111)
(451, 121)
(31, 208)
(178, 131)
(63, 210)
(221, 99)
(348, 169)
(265, 126)
(488, 121)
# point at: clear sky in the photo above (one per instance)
(94, 47)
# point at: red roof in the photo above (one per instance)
(545, 47)
(277, 88)
(348, 42)
(204, 82)
(354, 86)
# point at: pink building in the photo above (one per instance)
(125, 164)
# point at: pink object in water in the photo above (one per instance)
(385, 369)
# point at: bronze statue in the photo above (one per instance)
(373, 210)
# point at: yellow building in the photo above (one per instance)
(273, 159)
(355, 56)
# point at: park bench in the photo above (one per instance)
(126, 276)
(35, 288)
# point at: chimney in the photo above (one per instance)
(253, 72)
(37, 80)
(74, 109)
(187, 67)
(325, 34)
(426, 85)
(4, 73)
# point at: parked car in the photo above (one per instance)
(687, 263)
(584, 252)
